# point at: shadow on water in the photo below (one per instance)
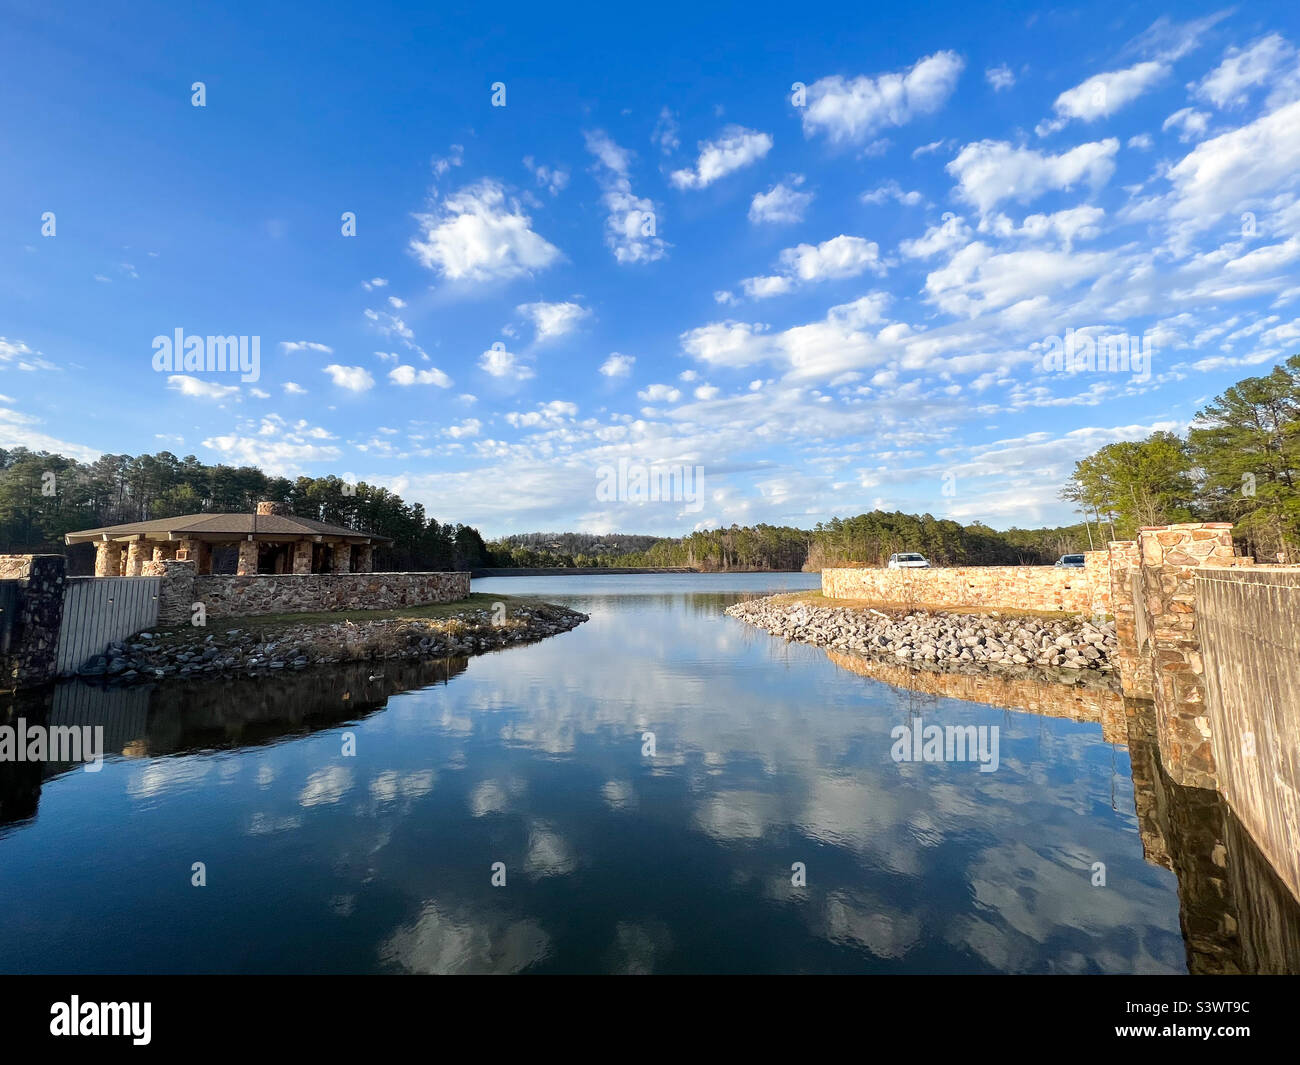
(152, 720)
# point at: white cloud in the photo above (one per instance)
(292, 347)
(552, 179)
(456, 157)
(1259, 64)
(1221, 174)
(353, 378)
(409, 375)
(501, 363)
(833, 259)
(783, 202)
(480, 234)
(294, 389)
(374, 283)
(552, 320)
(17, 354)
(617, 365)
(892, 190)
(200, 388)
(737, 147)
(849, 111)
(467, 428)
(659, 394)
(1103, 94)
(631, 224)
(1000, 77)
(1190, 123)
(760, 288)
(988, 172)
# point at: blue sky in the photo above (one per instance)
(659, 249)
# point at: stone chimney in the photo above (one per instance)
(270, 506)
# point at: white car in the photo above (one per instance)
(908, 560)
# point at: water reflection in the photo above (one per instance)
(767, 754)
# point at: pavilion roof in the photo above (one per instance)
(218, 527)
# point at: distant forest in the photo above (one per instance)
(44, 495)
(868, 539)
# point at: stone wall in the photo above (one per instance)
(32, 614)
(1169, 557)
(1083, 590)
(1249, 623)
(292, 593)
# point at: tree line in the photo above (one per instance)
(1239, 461)
(45, 495)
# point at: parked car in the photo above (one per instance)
(908, 560)
(1070, 560)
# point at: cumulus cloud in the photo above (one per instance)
(835, 259)
(292, 347)
(659, 394)
(200, 388)
(352, 378)
(1103, 94)
(481, 234)
(617, 365)
(631, 225)
(737, 147)
(851, 110)
(500, 363)
(783, 202)
(409, 375)
(1000, 77)
(892, 190)
(989, 172)
(552, 320)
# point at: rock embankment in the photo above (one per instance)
(956, 639)
(251, 649)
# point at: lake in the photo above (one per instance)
(353, 819)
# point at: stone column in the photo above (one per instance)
(1132, 658)
(164, 552)
(365, 558)
(342, 558)
(176, 592)
(135, 558)
(302, 556)
(187, 550)
(1170, 556)
(247, 565)
(108, 559)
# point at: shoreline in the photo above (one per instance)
(255, 646)
(1068, 649)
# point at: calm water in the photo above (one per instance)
(767, 754)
